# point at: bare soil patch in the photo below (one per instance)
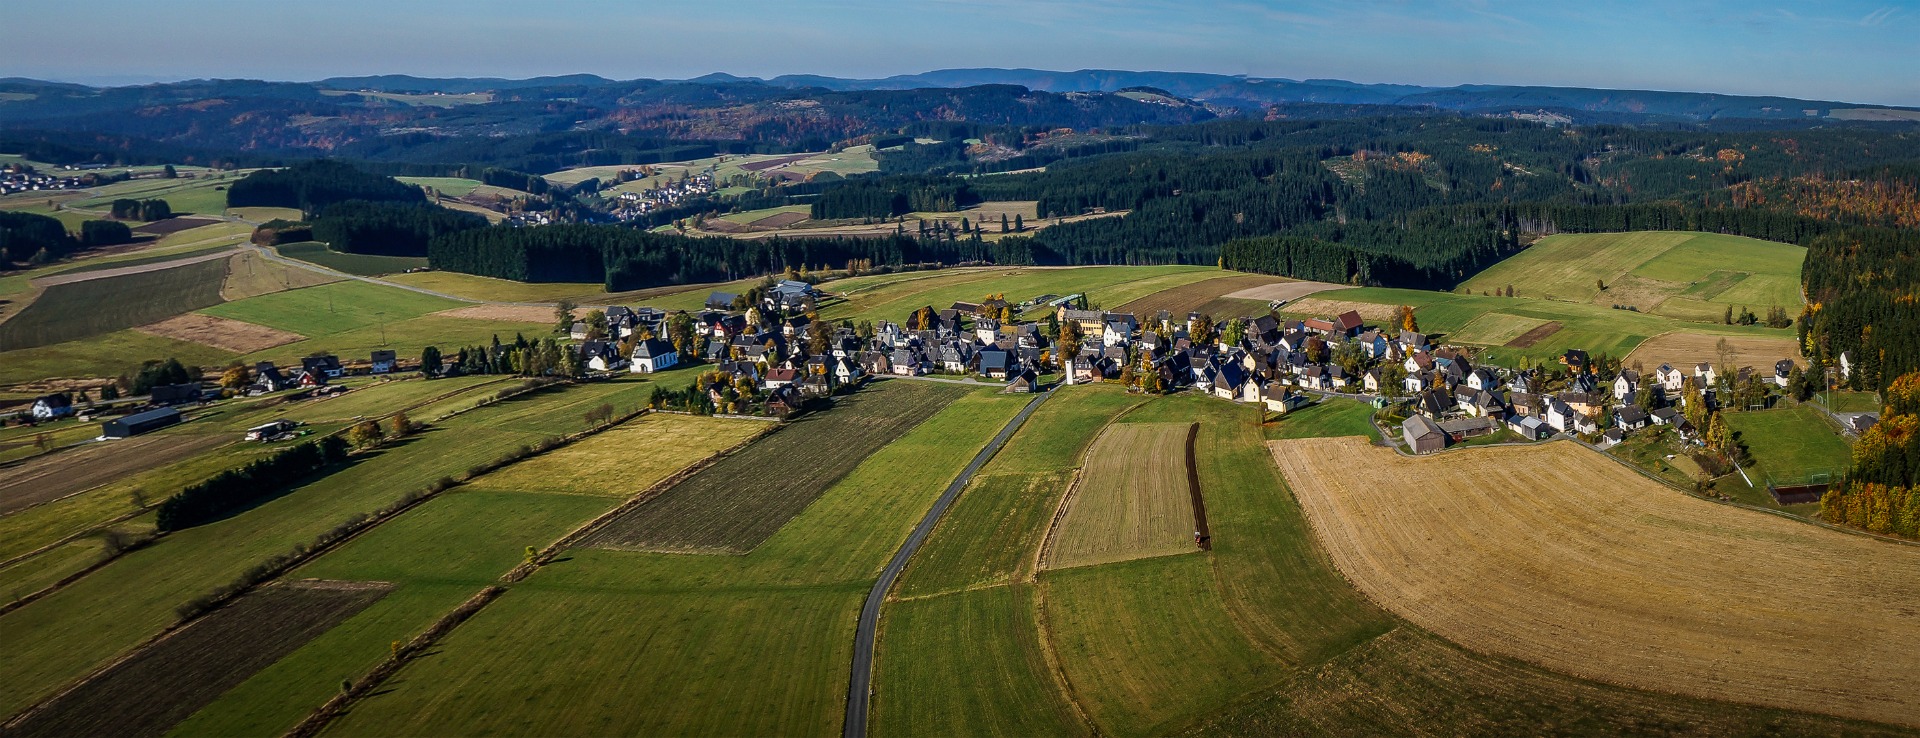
(1132, 501)
(1538, 334)
(226, 334)
(779, 220)
(1684, 350)
(514, 313)
(1198, 295)
(174, 225)
(162, 684)
(756, 166)
(1562, 557)
(1279, 290)
(53, 476)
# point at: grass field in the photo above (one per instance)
(1701, 274)
(332, 309)
(365, 265)
(1790, 443)
(1325, 419)
(720, 645)
(71, 311)
(149, 693)
(1132, 500)
(204, 196)
(1594, 328)
(62, 636)
(54, 476)
(500, 290)
(894, 296)
(736, 504)
(626, 460)
(105, 355)
(449, 186)
(1850, 402)
(1687, 597)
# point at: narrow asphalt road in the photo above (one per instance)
(860, 687)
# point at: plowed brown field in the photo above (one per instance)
(1558, 556)
(1132, 501)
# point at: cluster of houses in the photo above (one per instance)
(629, 205)
(16, 178)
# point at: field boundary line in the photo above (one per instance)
(586, 529)
(866, 629)
(327, 711)
(1736, 503)
(1057, 669)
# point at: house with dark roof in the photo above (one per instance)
(652, 355)
(326, 365)
(383, 361)
(49, 407)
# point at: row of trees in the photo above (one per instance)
(148, 210)
(236, 488)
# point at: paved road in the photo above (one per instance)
(860, 687)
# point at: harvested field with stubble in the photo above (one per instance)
(1327, 308)
(1278, 290)
(626, 460)
(1684, 350)
(249, 274)
(1560, 557)
(510, 313)
(156, 688)
(225, 334)
(1132, 500)
(740, 501)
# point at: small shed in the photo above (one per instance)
(138, 423)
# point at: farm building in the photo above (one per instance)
(1423, 435)
(269, 430)
(138, 423)
(384, 361)
(1465, 428)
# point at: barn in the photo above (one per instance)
(1423, 435)
(138, 423)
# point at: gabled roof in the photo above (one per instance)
(1420, 426)
(650, 348)
(1349, 320)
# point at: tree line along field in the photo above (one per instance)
(1494, 549)
(1690, 276)
(56, 639)
(366, 265)
(717, 645)
(736, 504)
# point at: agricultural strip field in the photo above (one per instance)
(62, 636)
(351, 318)
(150, 692)
(626, 460)
(1497, 329)
(893, 297)
(1209, 297)
(1594, 328)
(1690, 276)
(173, 225)
(1560, 557)
(75, 310)
(736, 504)
(1685, 350)
(718, 645)
(1132, 500)
(54, 476)
(1789, 443)
(366, 265)
(1326, 418)
(239, 337)
(249, 274)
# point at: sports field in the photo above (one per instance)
(1790, 443)
(1690, 276)
(1132, 499)
(1558, 556)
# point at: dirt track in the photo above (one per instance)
(87, 276)
(1556, 555)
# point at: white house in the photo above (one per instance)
(653, 355)
(1671, 380)
(1625, 385)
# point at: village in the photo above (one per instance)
(634, 204)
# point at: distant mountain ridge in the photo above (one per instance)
(1232, 91)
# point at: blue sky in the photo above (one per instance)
(1850, 51)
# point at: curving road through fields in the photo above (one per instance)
(860, 686)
